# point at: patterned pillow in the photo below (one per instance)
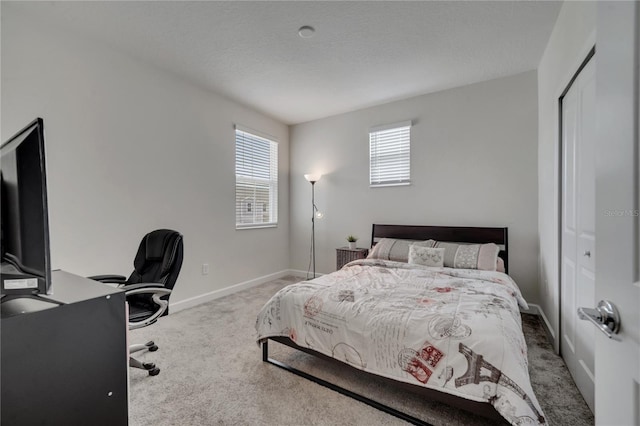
(470, 256)
(394, 249)
(426, 256)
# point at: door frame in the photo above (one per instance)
(560, 169)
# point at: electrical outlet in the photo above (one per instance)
(205, 269)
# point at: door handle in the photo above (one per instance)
(605, 316)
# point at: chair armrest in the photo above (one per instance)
(156, 291)
(118, 279)
(151, 286)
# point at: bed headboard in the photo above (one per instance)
(461, 234)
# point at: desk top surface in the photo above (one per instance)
(67, 288)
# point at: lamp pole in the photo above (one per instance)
(313, 226)
(312, 179)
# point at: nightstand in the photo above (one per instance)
(345, 255)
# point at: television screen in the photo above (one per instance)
(25, 227)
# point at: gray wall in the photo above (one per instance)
(131, 148)
(473, 162)
(572, 38)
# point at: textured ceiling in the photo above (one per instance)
(362, 53)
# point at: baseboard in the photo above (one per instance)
(303, 274)
(545, 320)
(537, 310)
(216, 294)
(533, 309)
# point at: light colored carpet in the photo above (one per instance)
(212, 374)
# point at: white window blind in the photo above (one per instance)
(390, 154)
(256, 180)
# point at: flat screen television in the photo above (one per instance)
(26, 267)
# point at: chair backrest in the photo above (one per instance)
(159, 258)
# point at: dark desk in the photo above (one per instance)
(64, 356)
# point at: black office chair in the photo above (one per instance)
(156, 268)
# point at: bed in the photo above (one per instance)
(433, 316)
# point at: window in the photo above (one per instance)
(389, 154)
(256, 180)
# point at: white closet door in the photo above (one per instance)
(578, 229)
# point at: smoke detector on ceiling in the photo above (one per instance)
(306, 31)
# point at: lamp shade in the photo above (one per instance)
(313, 177)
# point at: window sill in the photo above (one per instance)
(380, 185)
(256, 226)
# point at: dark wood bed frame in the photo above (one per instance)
(476, 235)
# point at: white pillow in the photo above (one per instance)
(426, 256)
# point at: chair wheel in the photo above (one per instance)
(148, 365)
(153, 348)
(154, 372)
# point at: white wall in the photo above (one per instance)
(131, 148)
(572, 38)
(473, 162)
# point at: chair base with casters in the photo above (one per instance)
(149, 366)
(141, 314)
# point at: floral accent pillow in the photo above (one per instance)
(469, 256)
(426, 256)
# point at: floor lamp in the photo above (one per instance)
(313, 178)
